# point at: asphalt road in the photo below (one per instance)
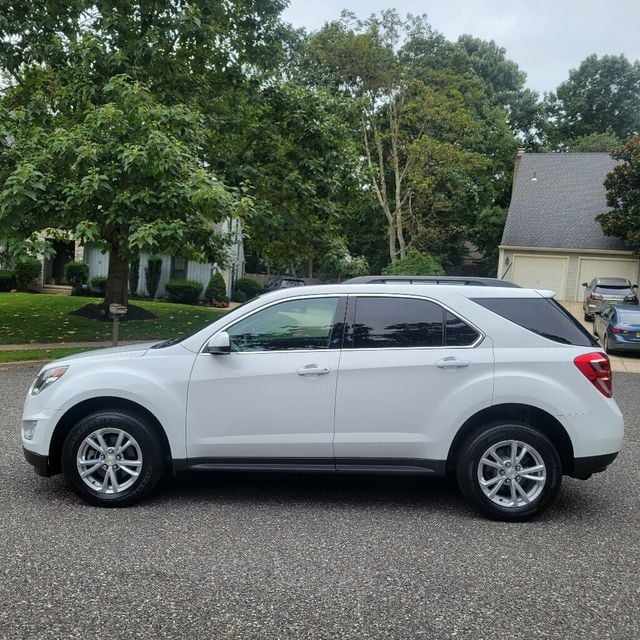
(226, 556)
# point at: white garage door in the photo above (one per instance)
(591, 268)
(541, 272)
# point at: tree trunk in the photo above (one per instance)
(117, 280)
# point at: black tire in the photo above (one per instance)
(587, 317)
(144, 457)
(605, 345)
(542, 493)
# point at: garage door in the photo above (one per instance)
(541, 272)
(591, 268)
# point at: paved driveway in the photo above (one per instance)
(278, 556)
(628, 363)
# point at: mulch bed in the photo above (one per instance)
(99, 312)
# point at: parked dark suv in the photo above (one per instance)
(601, 292)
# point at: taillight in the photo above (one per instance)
(595, 296)
(619, 330)
(631, 299)
(597, 369)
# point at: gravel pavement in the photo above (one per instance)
(225, 556)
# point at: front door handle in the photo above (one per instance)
(312, 370)
(452, 363)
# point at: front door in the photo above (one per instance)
(273, 397)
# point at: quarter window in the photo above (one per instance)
(295, 324)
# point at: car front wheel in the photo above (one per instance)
(509, 472)
(112, 459)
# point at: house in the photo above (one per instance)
(172, 266)
(551, 239)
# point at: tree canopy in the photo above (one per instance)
(623, 196)
(601, 96)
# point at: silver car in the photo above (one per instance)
(602, 292)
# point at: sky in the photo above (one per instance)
(546, 38)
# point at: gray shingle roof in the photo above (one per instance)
(557, 210)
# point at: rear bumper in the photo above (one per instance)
(584, 468)
(39, 463)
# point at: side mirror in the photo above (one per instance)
(585, 284)
(219, 345)
(635, 286)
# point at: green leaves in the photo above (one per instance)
(623, 196)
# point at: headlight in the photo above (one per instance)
(47, 378)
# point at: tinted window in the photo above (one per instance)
(296, 324)
(543, 316)
(457, 332)
(613, 290)
(397, 322)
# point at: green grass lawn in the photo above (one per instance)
(30, 318)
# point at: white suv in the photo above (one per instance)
(499, 386)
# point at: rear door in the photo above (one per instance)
(410, 372)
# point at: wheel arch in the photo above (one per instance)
(531, 416)
(73, 415)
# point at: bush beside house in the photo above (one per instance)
(7, 280)
(27, 272)
(184, 291)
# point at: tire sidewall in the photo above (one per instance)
(152, 458)
(483, 439)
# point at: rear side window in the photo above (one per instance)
(543, 316)
(407, 322)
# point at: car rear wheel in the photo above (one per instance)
(112, 459)
(509, 472)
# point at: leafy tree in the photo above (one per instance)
(601, 95)
(302, 163)
(126, 175)
(594, 142)
(487, 236)
(623, 196)
(415, 264)
(436, 150)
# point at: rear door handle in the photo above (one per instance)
(452, 363)
(312, 370)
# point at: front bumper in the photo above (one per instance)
(39, 462)
(584, 468)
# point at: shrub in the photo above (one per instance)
(7, 280)
(99, 283)
(185, 291)
(216, 289)
(152, 275)
(415, 264)
(134, 272)
(239, 296)
(76, 274)
(27, 271)
(249, 286)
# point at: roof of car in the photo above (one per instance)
(451, 280)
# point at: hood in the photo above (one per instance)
(131, 351)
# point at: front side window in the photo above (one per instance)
(294, 324)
